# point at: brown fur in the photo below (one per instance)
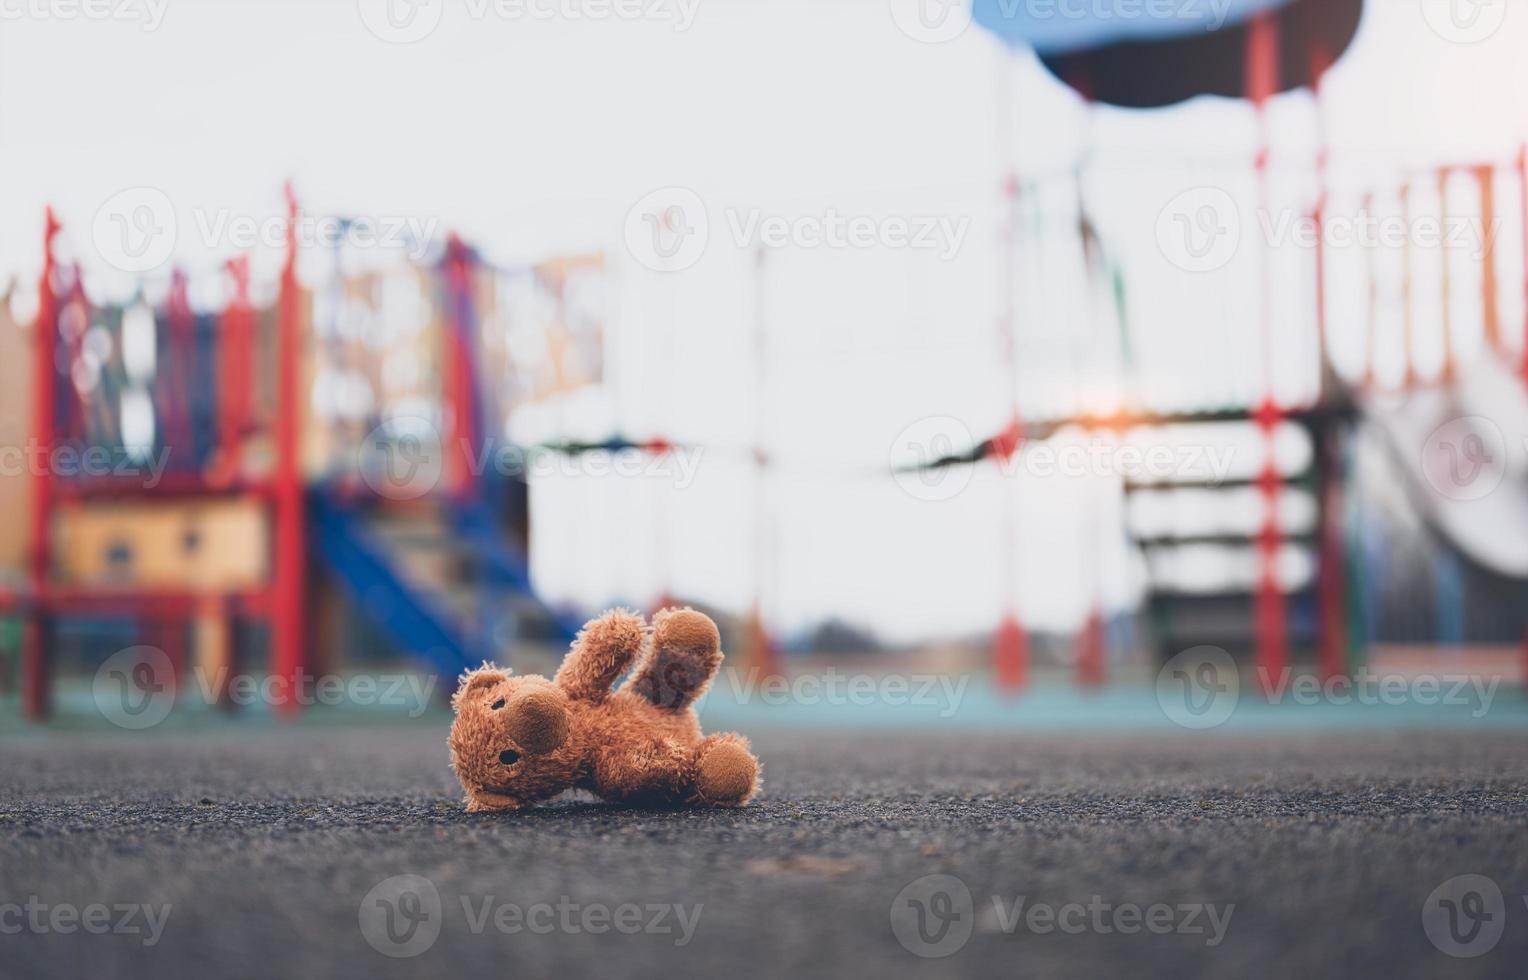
(520, 740)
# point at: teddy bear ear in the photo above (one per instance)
(475, 680)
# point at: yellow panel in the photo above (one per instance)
(213, 546)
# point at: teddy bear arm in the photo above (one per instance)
(486, 801)
(603, 649)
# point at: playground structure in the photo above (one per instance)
(435, 557)
(214, 487)
(294, 426)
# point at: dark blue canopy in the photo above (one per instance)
(1144, 54)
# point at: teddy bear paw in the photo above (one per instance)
(727, 775)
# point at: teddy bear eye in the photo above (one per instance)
(498, 704)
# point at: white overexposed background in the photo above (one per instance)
(531, 137)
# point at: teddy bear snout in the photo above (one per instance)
(537, 720)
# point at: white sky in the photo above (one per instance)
(533, 136)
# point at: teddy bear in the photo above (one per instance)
(519, 740)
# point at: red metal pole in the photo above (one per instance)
(237, 370)
(36, 669)
(288, 627)
(1446, 286)
(1522, 179)
(1332, 572)
(461, 428)
(1485, 175)
(1272, 626)
(1090, 651)
(1262, 82)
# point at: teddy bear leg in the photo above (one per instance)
(726, 773)
(686, 650)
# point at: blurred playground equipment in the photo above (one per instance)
(335, 426)
(215, 454)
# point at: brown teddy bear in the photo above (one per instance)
(519, 740)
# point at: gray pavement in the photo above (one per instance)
(269, 852)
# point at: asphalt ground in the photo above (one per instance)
(271, 852)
